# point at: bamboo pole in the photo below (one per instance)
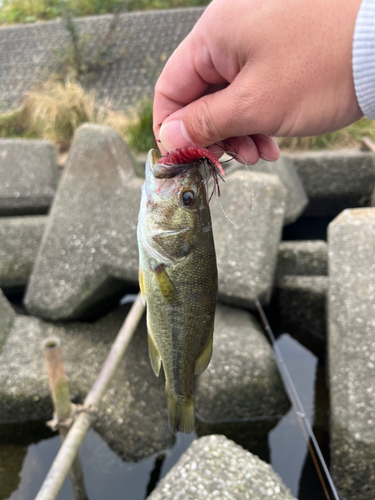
(63, 407)
(57, 379)
(68, 451)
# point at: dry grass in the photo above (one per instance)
(55, 110)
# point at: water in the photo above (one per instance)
(287, 444)
(107, 476)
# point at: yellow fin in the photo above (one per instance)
(164, 283)
(142, 286)
(153, 352)
(203, 361)
(181, 414)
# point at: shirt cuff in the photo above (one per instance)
(364, 58)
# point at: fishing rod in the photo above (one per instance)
(306, 428)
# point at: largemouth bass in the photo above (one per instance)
(178, 280)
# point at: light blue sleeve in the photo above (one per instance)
(364, 58)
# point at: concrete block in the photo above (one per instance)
(214, 467)
(132, 416)
(28, 176)
(301, 304)
(296, 200)
(90, 240)
(7, 315)
(351, 342)
(247, 252)
(302, 258)
(335, 180)
(20, 238)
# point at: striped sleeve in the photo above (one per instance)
(364, 58)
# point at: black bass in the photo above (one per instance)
(178, 280)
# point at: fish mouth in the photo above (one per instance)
(160, 171)
(153, 156)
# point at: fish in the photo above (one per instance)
(178, 279)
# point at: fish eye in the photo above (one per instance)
(188, 198)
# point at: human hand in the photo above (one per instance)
(255, 68)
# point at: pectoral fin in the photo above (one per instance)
(165, 284)
(154, 354)
(203, 361)
(142, 286)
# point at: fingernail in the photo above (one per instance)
(173, 135)
(273, 150)
(261, 155)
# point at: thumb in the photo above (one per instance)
(208, 120)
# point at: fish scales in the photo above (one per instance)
(178, 279)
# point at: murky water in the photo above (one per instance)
(106, 475)
(23, 466)
(289, 453)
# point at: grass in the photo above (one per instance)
(59, 106)
(14, 124)
(55, 110)
(139, 133)
(26, 11)
(350, 136)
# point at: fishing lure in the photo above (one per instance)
(173, 161)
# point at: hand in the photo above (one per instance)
(252, 69)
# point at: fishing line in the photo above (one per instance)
(234, 156)
(298, 408)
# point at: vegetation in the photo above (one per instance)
(139, 133)
(55, 110)
(57, 107)
(26, 11)
(350, 136)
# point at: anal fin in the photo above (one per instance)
(155, 357)
(204, 359)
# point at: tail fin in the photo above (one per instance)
(181, 414)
